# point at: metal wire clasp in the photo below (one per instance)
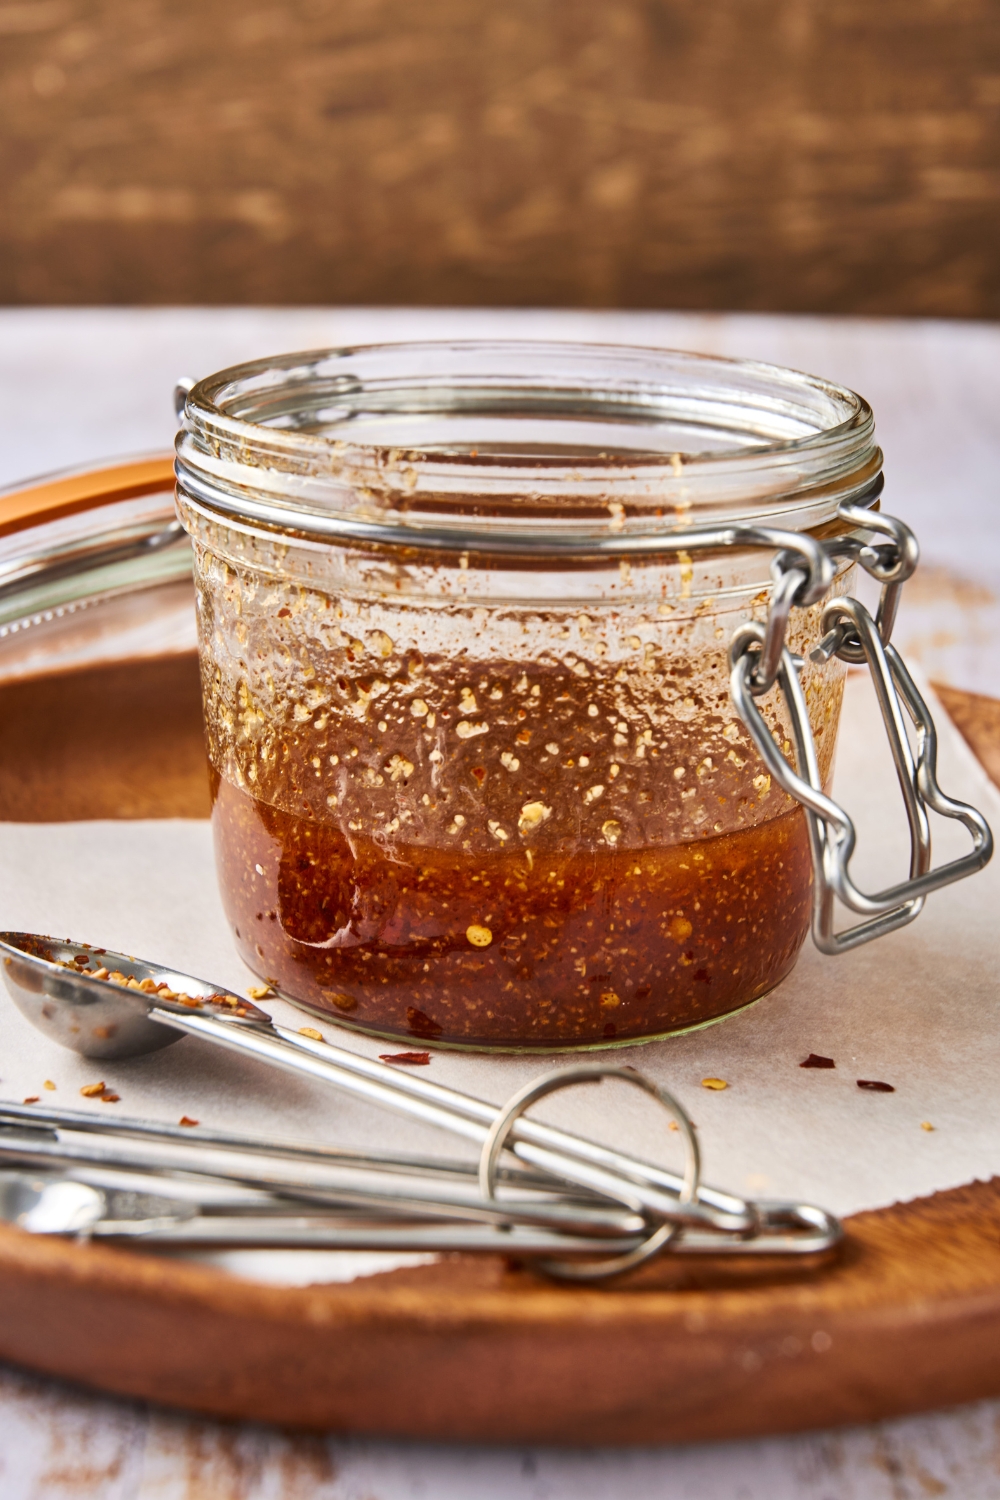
(759, 657)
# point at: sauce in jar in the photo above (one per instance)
(487, 856)
(493, 951)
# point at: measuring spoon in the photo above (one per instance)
(54, 986)
(53, 1204)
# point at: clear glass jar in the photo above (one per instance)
(477, 777)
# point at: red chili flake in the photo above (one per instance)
(815, 1061)
(31, 1099)
(875, 1086)
(479, 772)
(284, 614)
(412, 1059)
(186, 1120)
(108, 1098)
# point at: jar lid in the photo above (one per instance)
(94, 567)
(508, 445)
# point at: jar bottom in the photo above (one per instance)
(593, 948)
(318, 1013)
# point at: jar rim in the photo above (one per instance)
(473, 437)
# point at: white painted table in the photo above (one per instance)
(83, 384)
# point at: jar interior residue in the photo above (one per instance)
(514, 828)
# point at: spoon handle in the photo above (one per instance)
(640, 1187)
(807, 1236)
(397, 1194)
(530, 1140)
(270, 1233)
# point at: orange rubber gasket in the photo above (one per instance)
(59, 497)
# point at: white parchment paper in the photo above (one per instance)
(919, 1009)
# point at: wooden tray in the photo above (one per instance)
(907, 1317)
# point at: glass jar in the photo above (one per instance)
(477, 777)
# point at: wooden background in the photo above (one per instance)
(826, 155)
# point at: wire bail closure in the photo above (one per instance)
(759, 658)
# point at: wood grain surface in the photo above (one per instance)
(908, 1319)
(978, 719)
(905, 1318)
(118, 741)
(773, 154)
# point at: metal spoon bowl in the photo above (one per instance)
(47, 1205)
(52, 984)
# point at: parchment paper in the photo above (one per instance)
(919, 1009)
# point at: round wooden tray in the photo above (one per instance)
(906, 1317)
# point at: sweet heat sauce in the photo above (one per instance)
(503, 855)
(592, 946)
